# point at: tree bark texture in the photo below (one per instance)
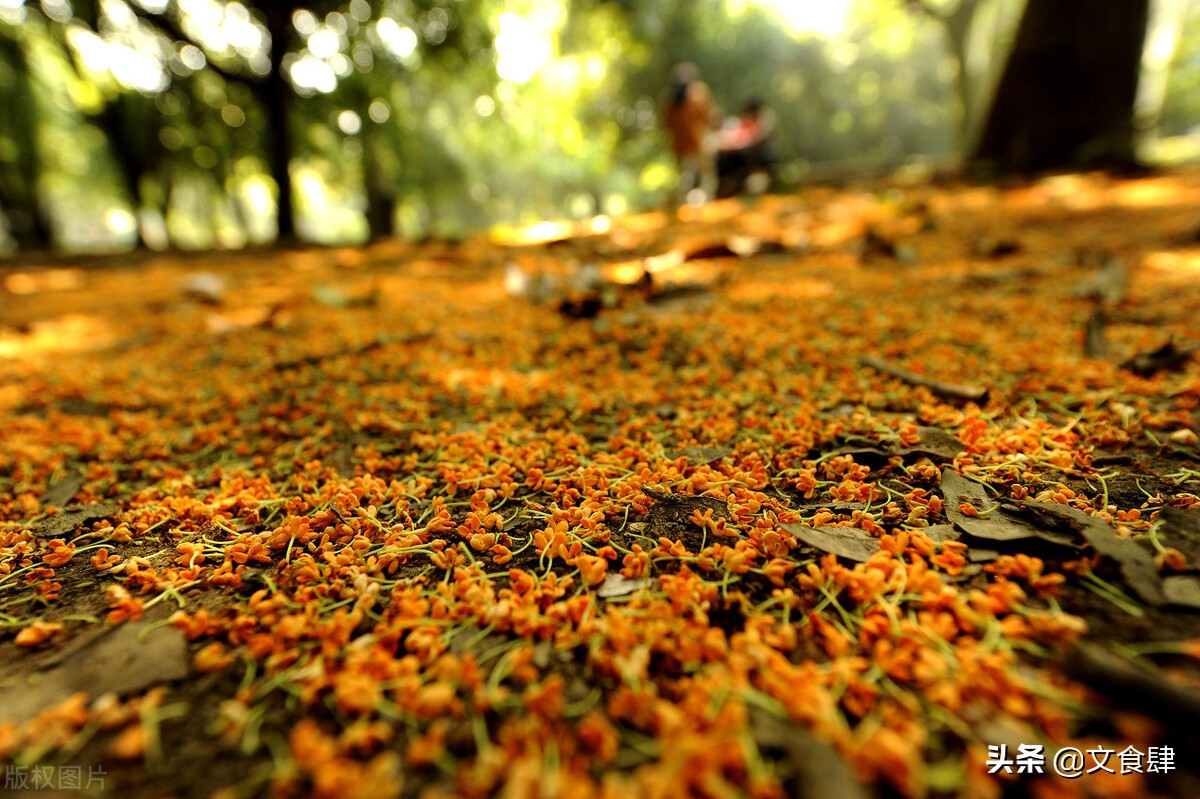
(275, 95)
(1067, 95)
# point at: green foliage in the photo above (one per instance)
(438, 116)
(1181, 106)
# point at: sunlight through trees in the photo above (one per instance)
(201, 123)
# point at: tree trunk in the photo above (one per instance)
(274, 93)
(20, 197)
(26, 223)
(131, 155)
(1066, 98)
(381, 194)
(381, 208)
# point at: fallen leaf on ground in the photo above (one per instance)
(813, 768)
(1136, 564)
(1138, 686)
(1182, 591)
(992, 523)
(845, 542)
(121, 660)
(1168, 357)
(64, 522)
(63, 489)
(945, 389)
(1108, 285)
(698, 455)
(1181, 529)
(619, 585)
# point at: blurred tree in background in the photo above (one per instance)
(200, 123)
(20, 161)
(1068, 91)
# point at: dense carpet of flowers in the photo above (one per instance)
(423, 538)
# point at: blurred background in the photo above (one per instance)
(214, 123)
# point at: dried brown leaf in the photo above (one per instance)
(845, 542)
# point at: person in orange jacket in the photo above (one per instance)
(688, 121)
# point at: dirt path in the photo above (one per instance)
(871, 491)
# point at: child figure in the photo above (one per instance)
(745, 156)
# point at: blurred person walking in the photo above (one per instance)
(688, 120)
